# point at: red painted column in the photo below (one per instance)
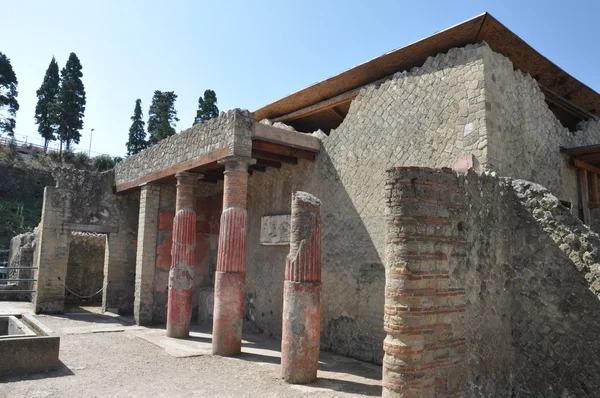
(230, 277)
(302, 293)
(181, 274)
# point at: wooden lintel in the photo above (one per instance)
(282, 150)
(170, 171)
(261, 155)
(586, 166)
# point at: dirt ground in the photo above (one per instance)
(108, 356)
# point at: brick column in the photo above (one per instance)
(231, 261)
(145, 261)
(181, 274)
(302, 292)
(424, 349)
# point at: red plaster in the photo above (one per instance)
(165, 220)
(162, 280)
(228, 313)
(181, 274)
(179, 312)
(163, 251)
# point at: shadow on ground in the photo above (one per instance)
(62, 371)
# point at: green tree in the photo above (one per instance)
(47, 95)
(70, 104)
(207, 107)
(162, 116)
(8, 96)
(137, 134)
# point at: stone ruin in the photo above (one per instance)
(452, 240)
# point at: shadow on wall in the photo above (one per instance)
(554, 278)
(353, 275)
(532, 284)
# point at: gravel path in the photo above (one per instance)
(119, 364)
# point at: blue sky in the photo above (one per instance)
(250, 53)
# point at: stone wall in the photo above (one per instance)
(432, 115)
(85, 268)
(524, 136)
(84, 201)
(228, 134)
(531, 280)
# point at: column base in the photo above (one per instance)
(229, 313)
(179, 312)
(301, 331)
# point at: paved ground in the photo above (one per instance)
(107, 356)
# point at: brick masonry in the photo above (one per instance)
(146, 256)
(230, 276)
(424, 353)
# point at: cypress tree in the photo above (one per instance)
(47, 95)
(162, 116)
(207, 107)
(137, 135)
(70, 105)
(8, 96)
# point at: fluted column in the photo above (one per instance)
(181, 274)
(231, 261)
(302, 292)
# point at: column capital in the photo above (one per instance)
(234, 162)
(187, 178)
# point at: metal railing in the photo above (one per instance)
(5, 280)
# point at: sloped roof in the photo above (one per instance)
(557, 83)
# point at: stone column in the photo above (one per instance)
(145, 262)
(231, 261)
(302, 292)
(181, 274)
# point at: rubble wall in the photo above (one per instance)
(431, 115)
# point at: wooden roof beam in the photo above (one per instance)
(261, 155)
(282, 150)
(566, 105)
